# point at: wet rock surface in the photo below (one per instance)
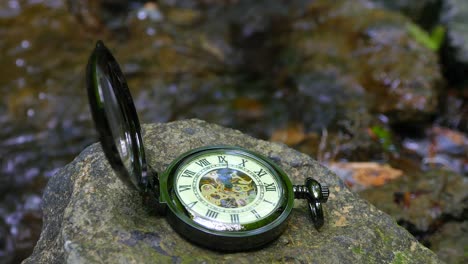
(428, 205)
(449, 243)
(424, 12)
(455, 55)
(90, 216)
(424, 190)
(357, 43)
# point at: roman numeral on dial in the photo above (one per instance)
(192, 204)
(235, 218)
(184, 188)
(260, 173)
(188, 174)
(211, 214)
(254, 212)
(222, 159)
(270, 187)
(203, 163)
(243, 163)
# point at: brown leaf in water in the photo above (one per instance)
(365, 174)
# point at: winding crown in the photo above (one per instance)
(325, 193)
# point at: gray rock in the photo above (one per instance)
(358, 47)
(90, 216)
(450, 242)
(436, 211)
(455, 17)
(424, 12)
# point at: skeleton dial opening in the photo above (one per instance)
(229, 188)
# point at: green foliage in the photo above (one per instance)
(385, 138)
(432, 41)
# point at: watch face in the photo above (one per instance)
(229, 193)
(227, 190)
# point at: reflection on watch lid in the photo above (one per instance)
(115, 117)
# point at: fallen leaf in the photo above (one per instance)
(361, 175)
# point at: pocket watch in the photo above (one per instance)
(221, 197)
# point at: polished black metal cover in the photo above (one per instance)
(115, 117)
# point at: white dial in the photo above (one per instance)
(227, 189)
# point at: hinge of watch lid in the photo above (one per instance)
(151, 193)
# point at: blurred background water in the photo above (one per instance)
(359, 85)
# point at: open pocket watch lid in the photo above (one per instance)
(115, 117)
